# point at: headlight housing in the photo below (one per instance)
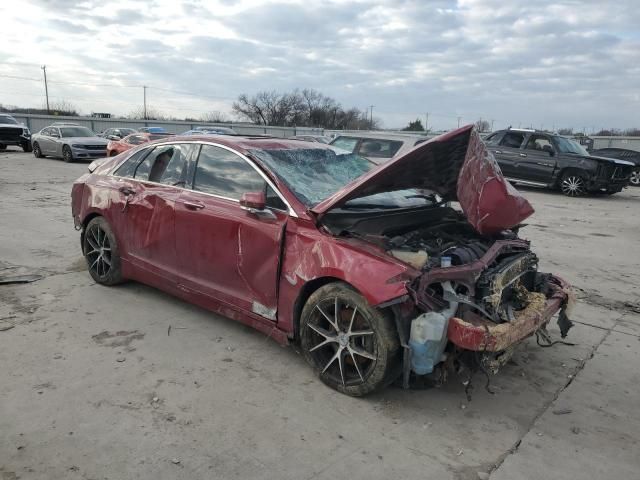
(75, 145)
(26, 132)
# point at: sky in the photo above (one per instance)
(546, 64)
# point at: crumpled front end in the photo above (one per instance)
(479, 334)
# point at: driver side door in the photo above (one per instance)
(226, 252)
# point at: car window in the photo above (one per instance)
(128, 168)
(69, 132)
(492, 139)
(345, 143)
(224, 173)
(379, 148)
(538, 142)
(46, 132)
(512, 139)
(166, 164)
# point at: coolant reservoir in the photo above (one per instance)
(427, 340)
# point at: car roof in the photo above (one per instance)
(383, 135)
(244, 144)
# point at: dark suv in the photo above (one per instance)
(13, 133)
(532, 157)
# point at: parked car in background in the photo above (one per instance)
(115, 133)
(116, 147)
(377, 146)
(69, 142)
(367, 267)
(313, 138)
(632, 156)
(13, 133)
(152, 130)
(211, 131)
(542, 159)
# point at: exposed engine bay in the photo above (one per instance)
(474, 293)
(504, 286)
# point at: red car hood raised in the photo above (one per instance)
(455, 165)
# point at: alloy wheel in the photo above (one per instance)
(99, 257)
(635, 178)
(67, 155)
(343, 344)
(573, 186)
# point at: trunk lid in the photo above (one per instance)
(458, 167)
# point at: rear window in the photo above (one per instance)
(345, 143)
(379, 148)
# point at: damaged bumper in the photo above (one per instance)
(481, 334)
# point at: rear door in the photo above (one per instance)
(144, 212)
(537, 161)
(224, 251)
(508, 151)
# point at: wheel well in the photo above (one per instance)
(85, 222)
(566, 170)
(305, 292)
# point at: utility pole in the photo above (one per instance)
(426, 122)
(371, 122)
(144, 93)
(46, 88)
(459, 118)
(492, 124)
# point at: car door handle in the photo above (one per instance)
(126, 191)
(523, 154)
(194, 205)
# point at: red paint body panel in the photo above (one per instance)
(310, 255)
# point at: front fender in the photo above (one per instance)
(310, 255)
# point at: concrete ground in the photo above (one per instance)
(93, 385)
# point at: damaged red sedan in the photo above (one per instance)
(368, 267)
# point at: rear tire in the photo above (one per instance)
(355, 351)
(67, 154)
(36, 151)
(101, 251)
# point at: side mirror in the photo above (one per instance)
(55, 135)
(253, 201)
(113, 137)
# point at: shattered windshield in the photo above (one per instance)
(314, 174)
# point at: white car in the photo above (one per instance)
(377, 146)
(69, 142)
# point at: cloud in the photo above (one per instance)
(546, 62)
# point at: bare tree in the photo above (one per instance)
(300, 108)
(214, 116)
(483, 126)
(63, 107)
(138, 113)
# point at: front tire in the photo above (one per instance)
(573, 184)
(26, 147)
(353, 347)
(67, 154)
(36, 151)
(101, 252)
